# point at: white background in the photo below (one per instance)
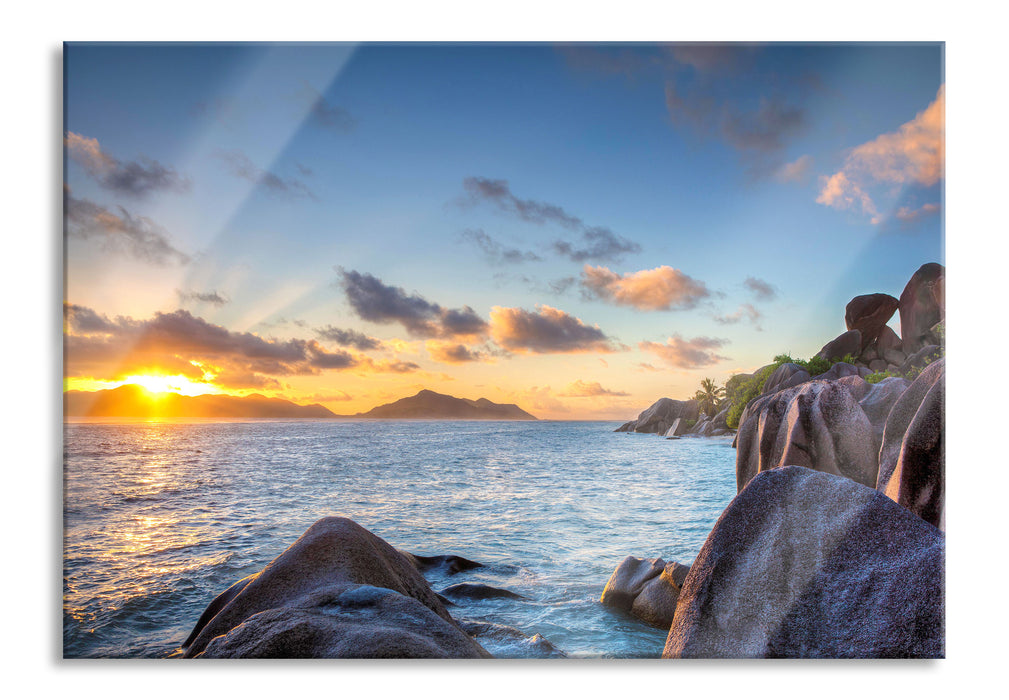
(32, 293)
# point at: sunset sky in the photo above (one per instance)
(578, 229)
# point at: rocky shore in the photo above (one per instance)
(834, 546)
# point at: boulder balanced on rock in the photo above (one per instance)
(812, 565)
(338, 591)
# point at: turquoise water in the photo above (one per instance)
(161, 517)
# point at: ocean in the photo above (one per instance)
(161, 517)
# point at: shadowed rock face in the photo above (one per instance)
(912, 459)
(292, 599)
(786, 376)
(818, 424)
(479, 591)
(808, 564)
(646, 588)
(922, 305)
(658, 417)
(524, 647)
(848, 343)
(448, 563)
(868, 314)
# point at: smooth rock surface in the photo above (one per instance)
(818, 424)
(334, 557)
(812, 565)
(922, 305)
(869, 314)
(628, 579)
(848, 343)
(785, 376)
(912, 460)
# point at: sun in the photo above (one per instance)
(174, 384)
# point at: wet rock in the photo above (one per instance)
(628, 579)
(912, 459)
(335, 563)
(346, 621)
(808, 564)
(479, 591)
(656, 603)
(446, 563)
(922, 305)
(869, 314)
(516, 643)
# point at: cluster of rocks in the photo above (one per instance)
(922, 308)
(342, 592)
(671, 418)
(646, 588)
(834, 545)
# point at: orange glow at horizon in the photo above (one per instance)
(154, 384)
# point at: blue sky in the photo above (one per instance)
(255, 190)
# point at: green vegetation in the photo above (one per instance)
(877, 377)
(710, 397)
(740, 389)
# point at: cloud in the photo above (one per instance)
(239, 165)
(326, 398)
(375, 301)
(913, 155)
(454, 353)
(686, 354)
(597, 243)
(179, 342)
(762, 290)
(580, 389)
(796, 171)
(326, 114)
(134, 178)
(746, 311)
(348, 338)
(495, 252)
(660, 289)
(908, 215)
(136, 236)
(708, 57)
(213, 297)
(547, 330)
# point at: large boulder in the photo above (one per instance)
(337, 566)
(818, 424)
(912, 461)
(843, 369)
(848, 343)
(888, 347)
(807, 564)
(877, 401)
(922, 305)
(646, 588)
(921, 359)
(868, 314)
(786, 375)
(658, 417)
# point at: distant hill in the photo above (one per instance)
(431, 405)
(132, 401)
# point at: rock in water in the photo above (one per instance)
(628, 579)
(922, 305)
(811, 565)
(912, 459)
(818, 424)
(338, 591)
(646, 588)
(869, 314)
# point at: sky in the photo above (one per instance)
(579, 229)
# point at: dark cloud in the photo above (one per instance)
(348, 338)
(378, 302)
(180, 343)
(686, 354)
(239, 165)
(136, 236)
(546, 330)
(326, 114)
(496, 253)
(214, 297)
(762, 290)
(454, 353)
(597, 243)
(135, 178)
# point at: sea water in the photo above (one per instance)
(161, 517)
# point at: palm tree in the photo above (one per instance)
(709, 397)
